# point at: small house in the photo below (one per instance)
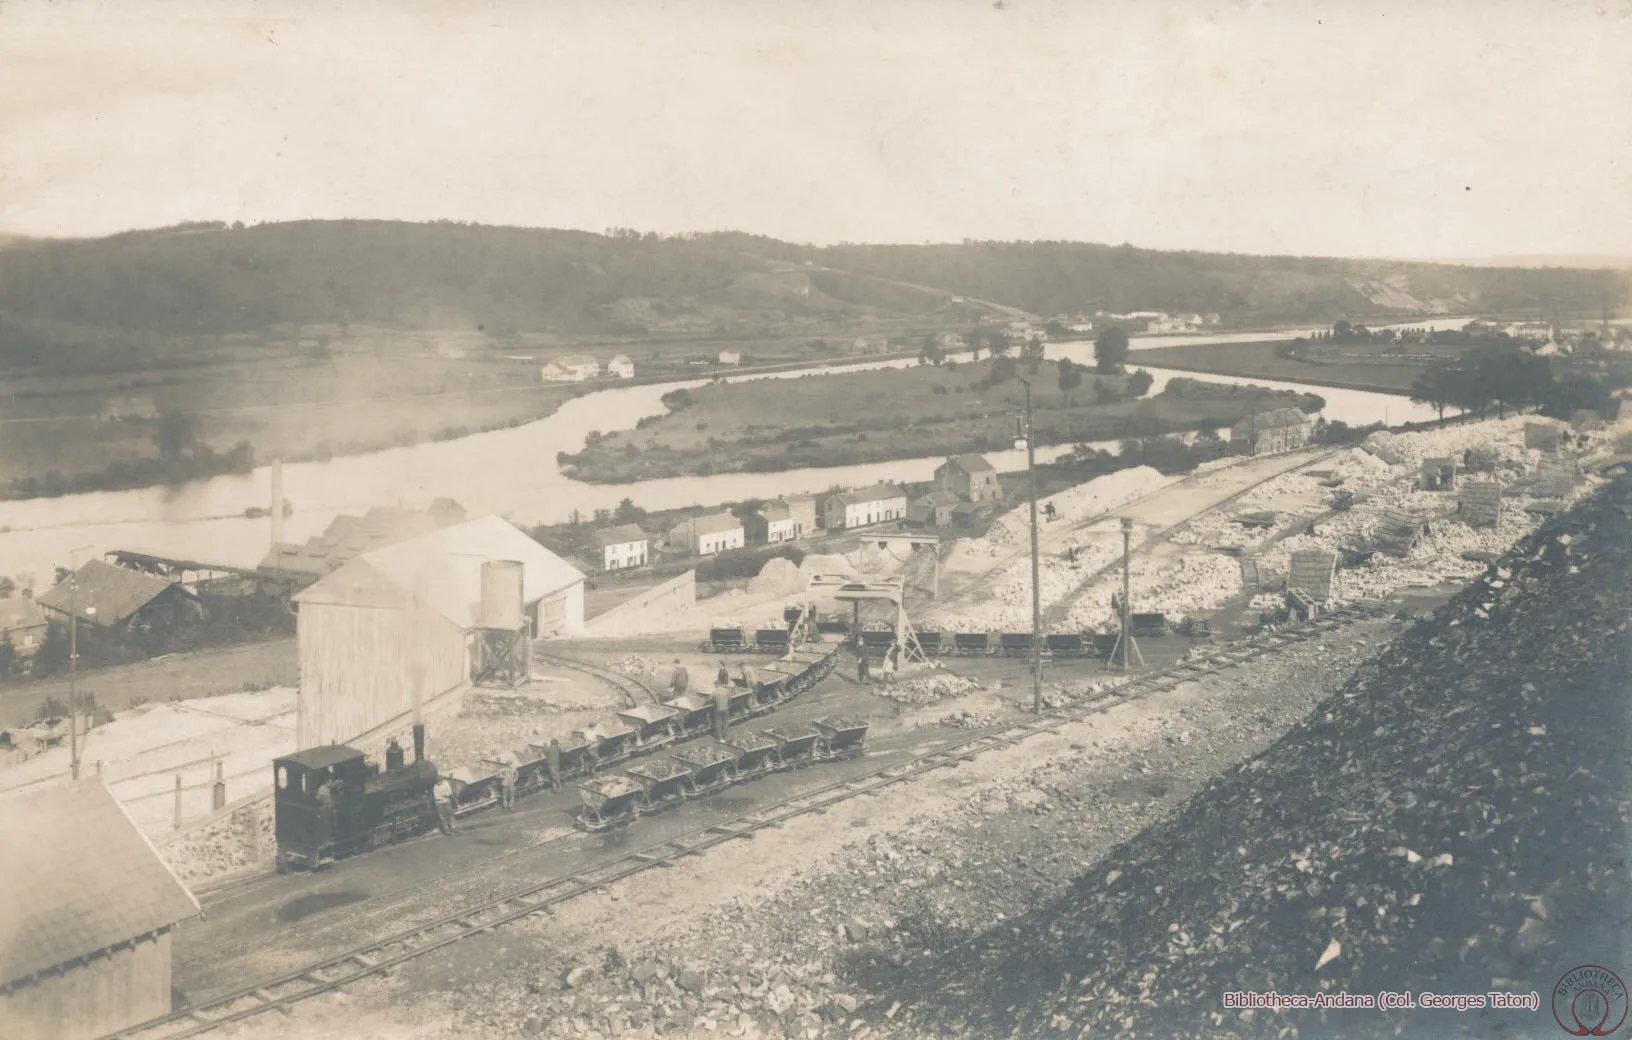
(878, 504)
(965, 514)
(708, 535)
(802, 509)
(87, 918)
(623, 547)
(771, 524)
(1438, 474)
(969, 477)
(1277, 430)
(621, 367)
(730, 357)
(574, 368)
(23, 628)
(933, 510)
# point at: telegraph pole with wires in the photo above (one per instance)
(1125, 645)
(73, 659)
(1036, 593)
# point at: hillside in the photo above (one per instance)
(212, 279)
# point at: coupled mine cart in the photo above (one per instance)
(576, 759)
(1105, 643)
(725, 640)
(655, 725)
(665, 781)
(607, 741)
(794, 747)
(713, 765)
(971, 644)
(756, 754)
(1148, 625)
(777, 681)
(1195, 628)
(931, 643)
(609, 801)
(694, 713)
(1065, 644)
(842, 736)
(877, 643)
(474, 787)
(771, 641)
(1014, 644)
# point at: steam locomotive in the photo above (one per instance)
(331, 802)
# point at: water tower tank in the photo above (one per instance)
(502, 595)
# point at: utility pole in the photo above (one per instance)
(1036, 592)
(73, 660)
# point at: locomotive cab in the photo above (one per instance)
(317, 794)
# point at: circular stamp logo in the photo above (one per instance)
(1589, 1000)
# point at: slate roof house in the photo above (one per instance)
(22, 625)
(121, 601)
(87, 916)
(969, 477)
(623, 547)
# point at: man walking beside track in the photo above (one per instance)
(507, 784)
(678, 680)
(722, 710)
(443, 793)
(554, 762)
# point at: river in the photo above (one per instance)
(510, 472)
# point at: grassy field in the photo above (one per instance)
(1378, 372)
(848, 418)
(204, 673)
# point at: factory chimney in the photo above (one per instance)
(419, 742)
(277, 503)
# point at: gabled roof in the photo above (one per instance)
(107, 594)
(18, 614)
(971, 464)
(621, 535)
(775, 512)
(939, 498)
(715, 523)
(347, 537)
(1274, 418)
(322, 757)
(573, 361)
(443, 571)
(876, 493)
(80, 877)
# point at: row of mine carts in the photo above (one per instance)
(643, 730)
(971, 644)
(653, 786)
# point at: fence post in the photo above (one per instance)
(178, 801)
(219, 801)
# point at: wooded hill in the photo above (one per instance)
(211, 278)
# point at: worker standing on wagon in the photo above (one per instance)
(443, 793)
(749, 679)
(678, 680)
(507, 783)
(553, 761)
(722, 710)
(723, 676)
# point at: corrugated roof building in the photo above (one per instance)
(399, 625)
(86, 913)
(120, 600)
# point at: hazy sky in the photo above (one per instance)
(1424, 128)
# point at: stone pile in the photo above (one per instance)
(928, 689)
(636, 665)
(239, 841)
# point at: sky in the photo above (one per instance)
(1417, 128)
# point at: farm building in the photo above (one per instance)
(1264, 433)
(22, 627)
(730, 357)
(707, 535)
(623, 547)
(875, 505)
(402, 624)
(1314, 573)
(621, 367)
(771, 523)
(120, 601)
(87, 916)
(348, 537)
(969, 477)
(933, 510)
(574, 368)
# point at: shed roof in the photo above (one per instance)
(322, 757)
(85, 879)
(621, 535)
(107, 594)
(774, 512)
(443, 571)
(971, 464)
(939, 498)
(715, 523)
(876, 493)
(17, 614)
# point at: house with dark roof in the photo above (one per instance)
(120, 601)
(22, 627)
(1265, 433)
(623, 547)
(87, 916)
(878, 504)
(710, 534)
(969, 477)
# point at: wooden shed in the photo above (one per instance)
(1481, 503)
(1315, 573)
(87, 916)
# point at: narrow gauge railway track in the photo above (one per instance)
(632, 690)
(381, 955)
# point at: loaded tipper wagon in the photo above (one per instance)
(842, 736)
(655, 725)
(713, 765)
(756, 753)
(665, 780)
(794, 746)
(609, 801)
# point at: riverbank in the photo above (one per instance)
(886, 414)
(1262, 361)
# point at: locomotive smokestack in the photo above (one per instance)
(419, 742)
